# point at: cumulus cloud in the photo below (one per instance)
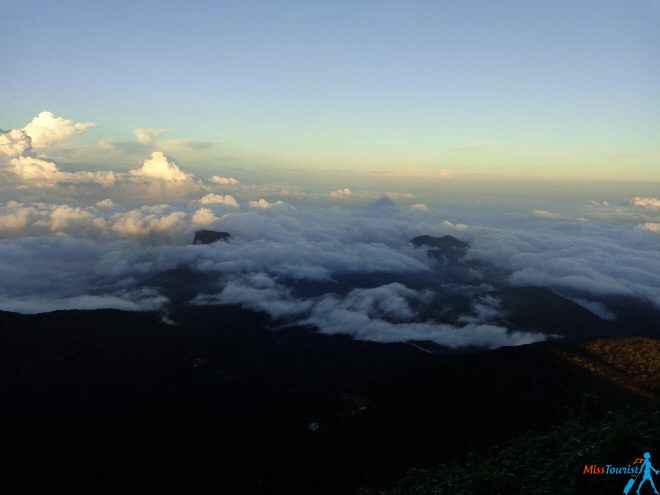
(458, 227)
(218, 199)
(15, 220)
(147, 136)
(263, 204)
(18, 220)
(27, 167)
(160, 167)
(14, 143)
(648, 203)
(651, 227)
(224, 181)
(204, 216)
(341, 193)
(47, 129)
(65, 217)
(420, 207)
(44, 173)
(105, 203)
(19, 164)
(147, 221)
(21, 167)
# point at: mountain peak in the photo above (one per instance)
(443, 242)
(210, 236)
(384, 202)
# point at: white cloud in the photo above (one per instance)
(147, 221)
(458, 227)
(66, 217)
(203, 216)
(158, 178)
(15, 220)
(23, 166)
(47, 129)
(341, 193)
(105, 203)
(44, 173)
(384, 314)
(147, 136)
(224, 181)
(651, 227)
(263, 204)
(420, 207)
(547, 215)
(14, 143)
(577, 260)
(158, 166)
(218, 199)
(28, 168)
(648, 203)
(107, 250)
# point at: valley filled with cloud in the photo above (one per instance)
(339, 260)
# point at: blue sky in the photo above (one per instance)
(564, 90)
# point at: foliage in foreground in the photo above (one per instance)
(545, 464)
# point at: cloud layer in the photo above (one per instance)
(339, 260)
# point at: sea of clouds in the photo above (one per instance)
(341, 260)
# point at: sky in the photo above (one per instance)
(324, 136)
(335, 94)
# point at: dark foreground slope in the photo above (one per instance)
(550, 463)
(109, 402)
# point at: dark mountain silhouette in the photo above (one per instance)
(182, 284)
(446, 245)
(443, 242)
(384, 202)
(538, 308)
(210, 236)
(116, 402)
